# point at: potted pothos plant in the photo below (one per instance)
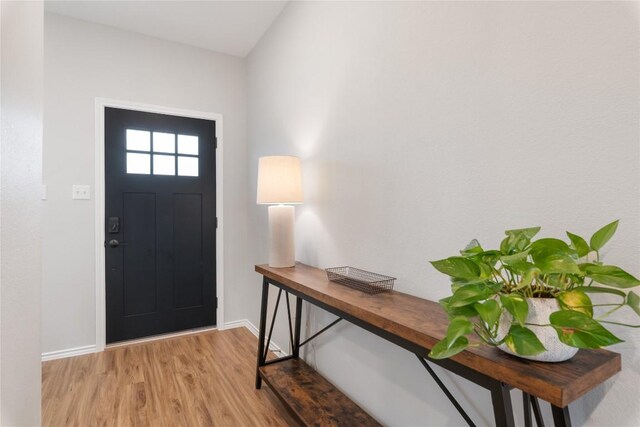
(535, 299)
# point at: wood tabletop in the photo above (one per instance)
(424, 323)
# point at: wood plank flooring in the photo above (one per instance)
(197, 380)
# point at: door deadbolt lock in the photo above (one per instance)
(114, 225)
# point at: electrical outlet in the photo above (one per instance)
(81, 192)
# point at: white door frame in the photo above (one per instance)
(99, 194)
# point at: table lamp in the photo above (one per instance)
(280, 185)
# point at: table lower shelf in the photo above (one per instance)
(310, 398)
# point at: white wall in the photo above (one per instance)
(84, 61)
(423, 125)
(21, 173)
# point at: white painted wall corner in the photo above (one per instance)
(245, 323)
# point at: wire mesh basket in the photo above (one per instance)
(365, 281)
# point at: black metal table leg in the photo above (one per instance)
(263, 325)
(291, 339)
(561, 416)
(446, 391)
(526, 407)
(502, 410)
(298, 321)
(536, 411)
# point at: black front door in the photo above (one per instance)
(160, 223)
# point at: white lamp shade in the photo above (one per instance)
(279, 180)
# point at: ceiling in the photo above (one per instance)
(232, 27)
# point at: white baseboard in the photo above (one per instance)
(87, 349)
(69, 352)
(245, 323)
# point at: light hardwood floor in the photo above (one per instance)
(197, 380)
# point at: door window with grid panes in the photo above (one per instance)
(161, 153)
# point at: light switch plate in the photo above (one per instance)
(81, 192)
(43, 195)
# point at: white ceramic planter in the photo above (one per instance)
(539, 311)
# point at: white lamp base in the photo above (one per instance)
(282, 252)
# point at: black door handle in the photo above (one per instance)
(114, 243)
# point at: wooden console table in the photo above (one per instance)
(415, 324)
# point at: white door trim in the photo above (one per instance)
(99, 192)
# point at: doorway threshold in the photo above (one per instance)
(186, 332)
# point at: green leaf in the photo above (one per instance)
(602, 236)
(458, 283)
(517, 240)
(610, 275)
(473, 248)
(575, 300)
(506, 246)
(599, 290)
(523, 341)
(517, 306)
(489, 311)
(517, 258)
(579, 330)
(544, 247)
(488, 257)
(579, 244)
(558, 263)
(518, 264)
(485, 270)
(457, 267)
(444, 348)
(470, 294)
(586, 265)
(458, 327)
(529, 233)
(527, 278)
(633, 301)
(466, 311)
(554, 256)
(455, 340)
